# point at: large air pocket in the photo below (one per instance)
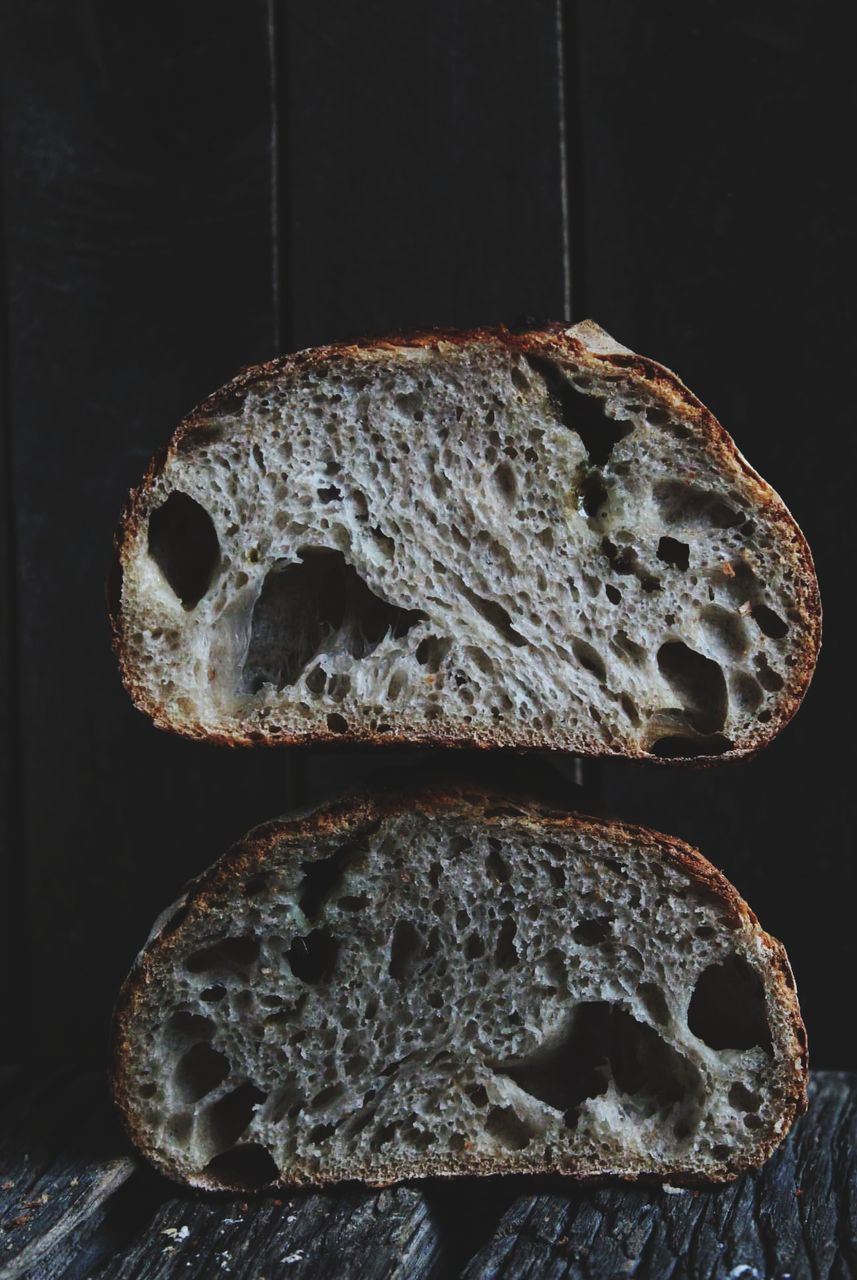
(183, 544)
(320, 605)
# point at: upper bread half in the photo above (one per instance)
(492, 538)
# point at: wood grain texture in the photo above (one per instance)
(718, 228)
(70, 1208)
(138, 224)
(62, 1159)
(796, 1217)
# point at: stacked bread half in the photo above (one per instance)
(499, 539)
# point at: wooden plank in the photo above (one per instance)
(61, 1160)
(370, 1235)
(719, 239)
(137, 154)
(795, 1217)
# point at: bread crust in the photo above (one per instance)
(588, 346)
(360, 813)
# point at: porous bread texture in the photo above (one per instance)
(454, 984)
(531, 539)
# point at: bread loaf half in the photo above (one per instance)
(495, 538)
(447, 983)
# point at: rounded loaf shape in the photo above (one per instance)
(494, 538)
(445, 982)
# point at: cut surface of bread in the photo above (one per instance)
(448, 983)
(490, 538)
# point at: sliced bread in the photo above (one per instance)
(450, 983)
(531, 539)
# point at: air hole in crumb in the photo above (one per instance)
(352, 902)
(147, 1090)
(589, 933)
(768, 678)
(316, 680)
(337, 723)
(497, 865)
(506, 482)
(330, 494)
(769, 623)
(601, 1041)
(313, 958)
(589, 658)
(431, 652)
(384, 1136)
(504, 1124)
(211, 995)
(250, 1166)
(748, 692)
(478, 1095)
(614, 595)
(199, 1071)
(322, 876)
(594, 497)
(743, 1099)
(655, 1002)
(229, 954)
(474, 947)
(699, 683)
(555, 967)
(727, 629)
(327, 1097)
(506, 953)
(580, 412)
(727, 1009)
(405, 948)
(629, 649)
(493, 613)
(190, 1025)
(231, 1115)
(183, 544)
(687, 504)
(629, 706)
(317, 606)
(256, 884)
(674, 553)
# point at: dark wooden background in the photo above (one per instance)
(190, 187)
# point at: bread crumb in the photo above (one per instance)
(177, 1233)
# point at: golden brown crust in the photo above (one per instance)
(547, 339)
(362, 812)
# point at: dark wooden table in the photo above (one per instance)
(74, 1204)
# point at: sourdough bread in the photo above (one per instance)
(448, 983)
(529, 539)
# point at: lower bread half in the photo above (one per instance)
(447, 982)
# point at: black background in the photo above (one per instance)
(190, 187)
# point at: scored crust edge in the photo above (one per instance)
(363, 810)
(593, 348)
